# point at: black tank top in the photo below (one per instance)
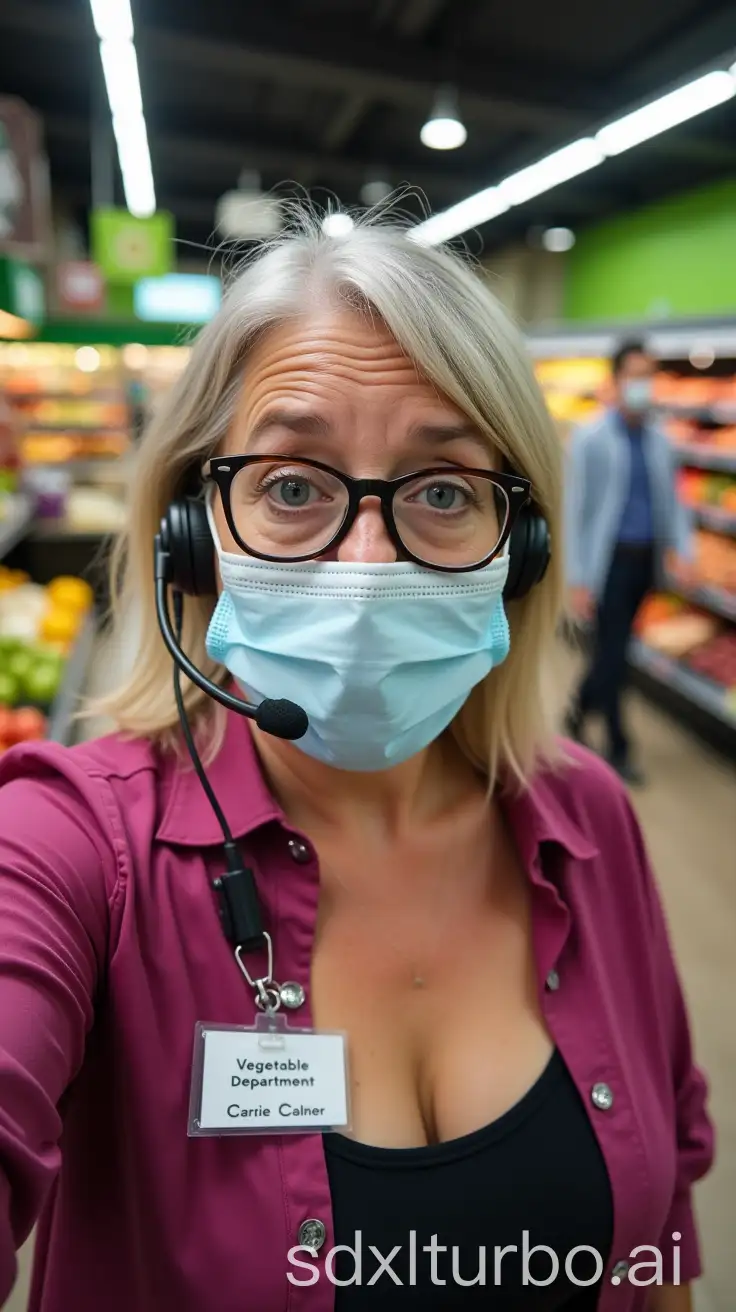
(538, 1169)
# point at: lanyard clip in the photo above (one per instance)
(268, 995)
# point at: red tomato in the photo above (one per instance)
(6, 723)
(28, 725)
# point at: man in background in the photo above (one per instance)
(623, 522)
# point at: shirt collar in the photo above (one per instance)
(543, 812)
(237, 781)
(546, 812)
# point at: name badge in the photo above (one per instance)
(267, 1080)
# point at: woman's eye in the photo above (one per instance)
(294, 492)
(444, 496)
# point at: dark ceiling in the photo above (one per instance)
(328, 94)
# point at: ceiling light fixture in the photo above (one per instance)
(444, 129)
(459, 218)
(337, 224)
(120, 67)
(375, 192)
(112, 19)
(665, 112)
(558, 240)
(549, 172)
(114, 27)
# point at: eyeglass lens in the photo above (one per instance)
(289, 509)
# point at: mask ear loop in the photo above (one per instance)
(209, 495)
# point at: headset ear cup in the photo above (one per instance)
(204, 579)
(529, 555)
(186, 534)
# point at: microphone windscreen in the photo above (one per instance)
(281, 718)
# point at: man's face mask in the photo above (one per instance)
(636, 394)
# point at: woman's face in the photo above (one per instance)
(336, 387)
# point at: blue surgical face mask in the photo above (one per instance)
(381, 657)
(636, 394)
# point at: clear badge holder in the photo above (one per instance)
(267, 1078)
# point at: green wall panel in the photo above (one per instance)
(673, 258)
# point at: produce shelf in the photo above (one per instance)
(709, 696)
(707, 457)
(720, 521)
(15, 523)
(96, 469)
(716, 600)
(724, 413)
(61, 724)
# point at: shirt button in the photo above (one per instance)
(292, 994)
(602, 1097)
(312, 1234)
(619, 1273)
(553, 981)
(299, 852)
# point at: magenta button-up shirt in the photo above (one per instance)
(111, 950)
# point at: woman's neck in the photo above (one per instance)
(388, 802)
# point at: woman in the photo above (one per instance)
(436, 880)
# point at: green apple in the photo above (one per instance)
(7, 647)
(41, 681)
(9, 689)
(19, 662)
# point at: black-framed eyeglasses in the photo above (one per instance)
(443, 517)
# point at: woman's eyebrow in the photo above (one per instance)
(307, 425)
(450, 432)
(315, 425)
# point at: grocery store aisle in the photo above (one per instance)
(689, 817)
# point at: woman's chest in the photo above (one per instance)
(500, 1209)
(434, 982)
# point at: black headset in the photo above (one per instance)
(187, 539)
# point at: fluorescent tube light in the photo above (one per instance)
(120, 67)
(477, 209)
(549, 172)
(114, 27)
(135, 164)
(666, 112)
(112, 19)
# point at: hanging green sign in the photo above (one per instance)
(126, 248)
(21, 291)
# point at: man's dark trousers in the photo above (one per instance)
(629, 579)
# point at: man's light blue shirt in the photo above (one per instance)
(598, 490)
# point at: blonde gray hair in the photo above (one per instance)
(443, 315)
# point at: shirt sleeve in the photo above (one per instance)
(694, 1129)
(56, 868)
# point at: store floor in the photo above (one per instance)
(689, 815)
